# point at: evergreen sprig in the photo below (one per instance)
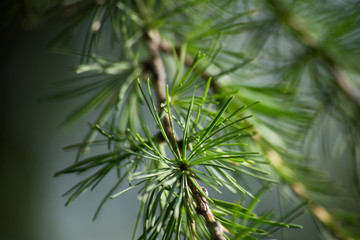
(290, 64)
(169, 183)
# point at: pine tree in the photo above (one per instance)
(198, 96)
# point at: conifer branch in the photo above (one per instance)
(341, 79)
(135, 26)
(308, 39)
(202, 205)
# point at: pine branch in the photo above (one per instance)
(203, 208)
(308, 39)
(342, 81)
(196, 196)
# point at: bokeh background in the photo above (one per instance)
(32, 141)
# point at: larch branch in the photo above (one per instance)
(154, 44)
(345, 84)
(307, 38)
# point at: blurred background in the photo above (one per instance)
(32, 141)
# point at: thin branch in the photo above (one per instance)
(342, 81)
(154, 44)
(203, 208)
(308, 39)
(159, 71)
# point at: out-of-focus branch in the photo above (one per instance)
(342, 80)
(188, 61)
(308, 39)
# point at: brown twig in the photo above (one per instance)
(158, 69)
(203, 208)
(154, 44)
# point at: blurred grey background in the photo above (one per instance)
(32, 206)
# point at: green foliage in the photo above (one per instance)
(292, 64)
